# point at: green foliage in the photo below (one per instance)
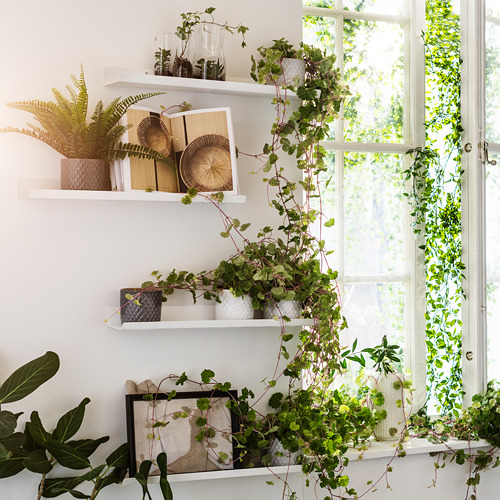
(62, 124)
(192, 19)
(435, 197)
(322, 424)
(18, 385)
(39, 451)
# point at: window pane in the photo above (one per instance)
(492, 83)
(326, 205)
(373, 68)
(319, 32)
(321, 3)
(390, 7)
(374, 206)
(492, 8)
(493, 267)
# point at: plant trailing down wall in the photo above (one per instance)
(435, 196)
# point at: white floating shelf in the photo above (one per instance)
(114, 322)
(210, 324)
(59, 194)
(224, 474)
(122, 77)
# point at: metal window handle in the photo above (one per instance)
(487, 160)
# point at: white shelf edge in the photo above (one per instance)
(124, 77)
(114, 323)
(224, 474)
(414, 446)
(60, 194)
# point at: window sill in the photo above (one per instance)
(415, 446)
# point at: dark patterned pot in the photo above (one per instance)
(149, 310)
(85, 174)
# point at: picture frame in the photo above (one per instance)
(164, 423)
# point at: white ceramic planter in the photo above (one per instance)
(291, 69)
(231, 307)
(285, 457)
(391, 386)
(290, 308)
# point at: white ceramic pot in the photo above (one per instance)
(231, 307)
(290, 308)
(280, 456)
(391, 386)
(291, 69)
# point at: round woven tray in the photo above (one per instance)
(206, 164)
(151, 135)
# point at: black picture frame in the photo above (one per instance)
(184, 453)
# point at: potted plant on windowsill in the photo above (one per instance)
(390, 382)
(87, 146)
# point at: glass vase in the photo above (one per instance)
(182, 66)
(209, 60)
(163, 54)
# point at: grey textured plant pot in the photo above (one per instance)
(85, 174)
(149, 310)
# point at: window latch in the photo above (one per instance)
(486, 160)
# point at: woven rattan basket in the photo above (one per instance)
(206, 164)
(151, 135)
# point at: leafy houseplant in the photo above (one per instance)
(62, 124)
(182, 66)
(279, 63)
(21, 383)
(42, 452)
(396, 391)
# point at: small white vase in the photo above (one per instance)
(290, 308)
(285, 457)
(291, 69)
(391, 386)
(231, 307)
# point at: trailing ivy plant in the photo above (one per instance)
(435, 195)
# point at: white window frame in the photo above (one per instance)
(413, 22)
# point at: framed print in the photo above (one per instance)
(159, 423)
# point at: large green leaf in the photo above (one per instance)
(58, 486)
(142, 477)
(119, 457)
(13, 442)
(4, 452)
(29, 377)
(36, 430)
(12, 465)
(87, 446)
(68, 456)
(164, 484)
(115, 477)
(8, 422)
(38, 462)
(69, 424)
(93, 474)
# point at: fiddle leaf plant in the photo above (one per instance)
(18, 385)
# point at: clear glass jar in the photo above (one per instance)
(209, 61)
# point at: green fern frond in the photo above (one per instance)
(121, 107)
(41, 135)
(62, 124)
(137, 151)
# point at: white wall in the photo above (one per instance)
(63, 262)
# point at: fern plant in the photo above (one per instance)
(63, 125)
